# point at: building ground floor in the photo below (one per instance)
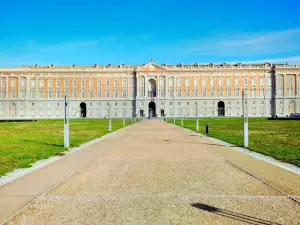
(146, 107)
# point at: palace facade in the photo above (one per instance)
(149, 90)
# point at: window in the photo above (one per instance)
(13, 93)
(141, 93)
(124, 83)
(290, 91)
(280, 80)
(196, 83)
(290, 80)
(57, 94)
(245, 82)
(99, 83)
(115, 93)
(82, 82)
(196, 92)
(253, 81)
(41, 94)
(228, 92)
(107, 83)
(187, 92)
(49, 94)
(91, 94)
(237, 92)
(124, 93)
(261, 81)
(99, 94)
(74, 83)
(74, 94)
(179, 93)
(203, 92)
(178, 81)
(262, 92)
(41, 83)
(82, 94)
(254, 92)
(107, 94)
(22, 83)
(236, 81)
(203, 82)
(211, 82)
(171, 93)
(91, 83)
(269, 81)
(13, 83)
(32, 83)
(116, 83)
(228, 81)
(187, 82)
(66, 83)
(212, 92)
(220, 81)
(57, 83)
(220, 92)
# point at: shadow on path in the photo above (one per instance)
(191, 142)
(232, 215)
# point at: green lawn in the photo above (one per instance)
(23, 143)
(276, 138)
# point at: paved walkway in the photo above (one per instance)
(153, 173)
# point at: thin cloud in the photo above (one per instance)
(293, 59)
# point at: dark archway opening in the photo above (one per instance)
(221, 108)
(152, 109)
(82, 109)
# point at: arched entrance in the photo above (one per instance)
(152, 109)
(221, 108)
(292, 106)
(82, 109)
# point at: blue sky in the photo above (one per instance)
(131, 32)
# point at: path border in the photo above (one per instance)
(20, 172)
(268, 159)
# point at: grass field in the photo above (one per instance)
(23, 143)
(276, 138)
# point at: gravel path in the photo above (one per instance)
(157, 173)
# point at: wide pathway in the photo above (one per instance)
(158, 173)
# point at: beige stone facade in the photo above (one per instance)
(157, 90)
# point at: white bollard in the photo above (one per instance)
(109, 125)
(66, 136)
(182, 122)
(197, 125)
(246, 133)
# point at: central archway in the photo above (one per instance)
(221, 108)
(152, 109)
(82, 109)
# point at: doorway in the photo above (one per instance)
(152, 109)
(141, 113)
(221, 108)
(82, 109)
(162, 113)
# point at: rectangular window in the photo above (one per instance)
(57, 83)
(13, 83)
(66, 83)
(220, 82)
(290, 91)
(22, 83)
(82, 82)
(99, 94)
(261, 81)
(74, 83)
(253, 92)
(171, 82)
(187, 82)
(179, 82)
(212, 82)
(262, 92)
(236, 81)
(116, 83)
(57, 94)
(228, 92)
(203, 82)
(212, 92)
(41, 83)
(203, 92)
(124, 94)
(49, 94)
(41, 94)
(269, 81)
(280, 80)
(179, 93)
(107, 83)
(228, 81)
(124, 83)
(245, 82)
(82, 94)
(99, 83)
(253, 81)
(91, 94)
(237, 92)
(196, 92)
(220, 92)
(91, 83)
(290, 81)
(115, 93)
(107, 94)
(74, 94)
(32, 83)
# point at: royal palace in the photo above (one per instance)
(98, 91)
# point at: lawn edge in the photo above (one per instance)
(287, 166)
(20, 172)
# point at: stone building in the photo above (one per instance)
(141, 90)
